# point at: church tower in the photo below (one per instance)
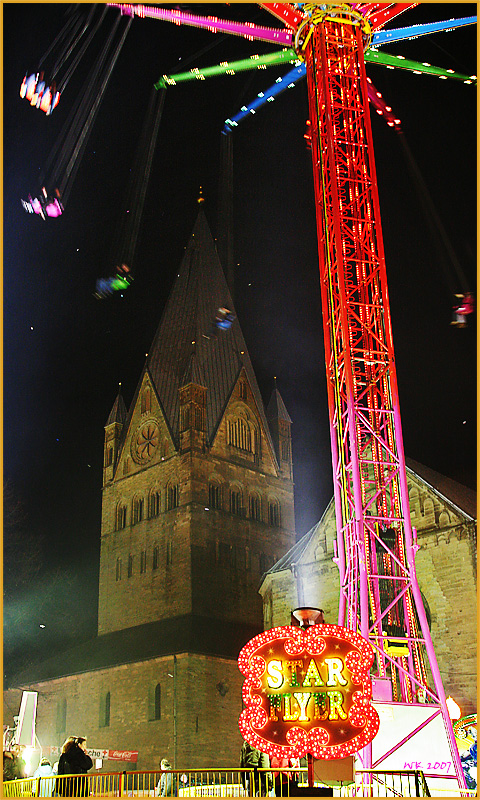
(198, 488)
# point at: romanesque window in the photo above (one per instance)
(236, 502)
(158, 701)
(121, 517)
(104, 720)
(155, 702)
(156, 554)
(154, 505)
(274, 513)
(241, 435)
(255, 507)
(137, 510)
(118, 576)
(214, 495)
(172, 496)
(169, 554)
(61, 722)
(185, 418)
(143, 561)
(109, 459)
(130, 566)
(242, 390)
(146, 400)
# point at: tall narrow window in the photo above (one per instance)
(242, 390)
(172, 497)
(109, 459)
(214, 495)
(130, 566)
(104, 720)
(146, 400)
(255, 507)
(154, 504)
(119, 570)
(236, 502)
(158, 701)
(121, 517)
(143, 561)
(155, 557)
(137, 510)
(169, 553)
(274, 513)
(154, 701)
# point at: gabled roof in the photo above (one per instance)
(187, 634)
(449, 490)
(276, 407)
(118, 412)
(187, 328)
(454, 493)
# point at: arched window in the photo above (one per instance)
(236, 501)
(154, 702)
(242, 390)
(121, 517)
(154, 503)
(169, 554)
(143, 561)
(240, 435)
(109, 458)
(155, 560)
(274, 513)
(130, 566)
(172, 496)
(137, 510)
(255, 507)
(214, 495)
(104, 720)
(285, 450)
(119, 570)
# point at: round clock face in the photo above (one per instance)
(145, 442)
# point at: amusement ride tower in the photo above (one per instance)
(375, 546)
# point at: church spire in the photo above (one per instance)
(187, 326)
(113, 432)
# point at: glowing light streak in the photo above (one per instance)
(287, 55)
(399, 34)
(213, 24)
(374, 56)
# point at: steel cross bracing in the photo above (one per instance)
(375, 548)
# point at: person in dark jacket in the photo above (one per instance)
(253, 758)
(74, 760)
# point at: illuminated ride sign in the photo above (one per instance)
(307, 691)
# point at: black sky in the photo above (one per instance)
(65, 352)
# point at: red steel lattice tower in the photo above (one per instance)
(375, 545)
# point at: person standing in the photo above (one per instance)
(44, 770)
(74, 760)
(167, 785)
(251, 758)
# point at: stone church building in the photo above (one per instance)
(197, 516)
(197, 505)
(444, 514)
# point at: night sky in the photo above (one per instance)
(66, 352)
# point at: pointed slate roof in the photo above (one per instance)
(276, 407)
(118, 412)
(186, 328)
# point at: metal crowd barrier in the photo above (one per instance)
(221, 783)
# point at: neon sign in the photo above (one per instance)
(307, 691)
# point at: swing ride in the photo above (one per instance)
(375, 544)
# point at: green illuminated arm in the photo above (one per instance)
(287, 55)
(377, 57)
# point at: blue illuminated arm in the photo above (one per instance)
(289, 80)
